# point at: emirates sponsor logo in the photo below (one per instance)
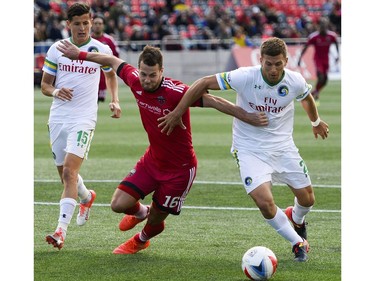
(78, 68)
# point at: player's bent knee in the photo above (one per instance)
(307, 201)
(116, 206)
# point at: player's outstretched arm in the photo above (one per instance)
(197, 89)
(227, 107)
(73, 52)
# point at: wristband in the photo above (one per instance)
(82, 55)
(55, 91)
(316, 123)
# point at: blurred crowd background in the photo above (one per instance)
(131, 22)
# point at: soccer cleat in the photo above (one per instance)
(299, 228)
(131, 246)
(56, 239)
(300, 251)
(129, 221)
(84, 209)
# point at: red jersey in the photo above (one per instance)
(168, 153)
(110, 41)
(322, 43)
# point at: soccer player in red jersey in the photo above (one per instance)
(168, 167)
(98, 33)
(322, 41)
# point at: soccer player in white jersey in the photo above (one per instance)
(73, 85)
(267, 154)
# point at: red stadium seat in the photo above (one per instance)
(38, 65)
(211, 3)
(39, 61)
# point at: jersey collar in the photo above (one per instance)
(269, 83)
(84, 43)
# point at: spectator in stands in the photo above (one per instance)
(241, 39)
(286, 31)
(335, 17)
(158, 31)
(55, 32)
(121, 15)
(205, 34)
(322, 41)
(183, 18)
(211, 17)
(327, 8)
(40, 32)
(110, 27)
(225, 32)
(99, 34)
(137, 35)
(253, 29)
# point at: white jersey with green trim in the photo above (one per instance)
(254, 94)
(81, 76)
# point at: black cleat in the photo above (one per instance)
(299, 228)
(300, 251)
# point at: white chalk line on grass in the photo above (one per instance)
(199, 182)
(199, 208)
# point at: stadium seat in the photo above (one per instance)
(38, 65)
(39, 61)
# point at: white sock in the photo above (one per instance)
(282, 225)
(83, 193)
(67, 207)
(142, 213)
(299, 212)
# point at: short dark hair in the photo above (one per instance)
(99, 16)
(151, 56)
(273, 47)
(78, 9)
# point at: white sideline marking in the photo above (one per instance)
(199, 182)
(199, 207)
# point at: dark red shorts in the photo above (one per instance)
(170, 188)
(322, 66)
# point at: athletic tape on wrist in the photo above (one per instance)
(316, 123)
(55, 91)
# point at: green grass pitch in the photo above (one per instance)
(218, 223)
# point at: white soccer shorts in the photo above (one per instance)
(278, 167)
(70, 138)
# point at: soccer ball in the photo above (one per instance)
(259, 263)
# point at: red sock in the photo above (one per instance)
(150, 231)
(136, 238)
(134, 209)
